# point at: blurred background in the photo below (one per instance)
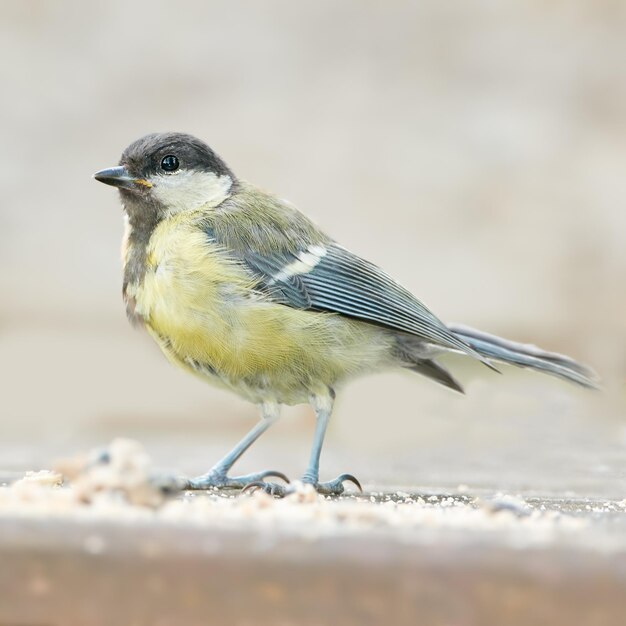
(476, 150)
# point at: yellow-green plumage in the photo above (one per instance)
(202, 308)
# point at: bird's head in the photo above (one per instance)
(166, 173)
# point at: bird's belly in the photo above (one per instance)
(265, 351)
(264, 356)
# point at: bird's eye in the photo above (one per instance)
(169, 163)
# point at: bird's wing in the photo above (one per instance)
(295, 264)
(331, 278)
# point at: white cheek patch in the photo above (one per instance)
(307, 260)
(187, 190)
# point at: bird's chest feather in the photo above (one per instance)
(186, 291)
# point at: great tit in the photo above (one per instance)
(240, 288)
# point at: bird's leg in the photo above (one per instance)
(217, 476)
(323, 406)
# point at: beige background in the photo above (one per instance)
(476, 150)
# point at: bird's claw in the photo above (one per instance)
(272, 489)
(331, 488)
(267, 474)
(220, 480)
(335, 487)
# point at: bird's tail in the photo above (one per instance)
(526, 355)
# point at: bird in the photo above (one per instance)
(240, 288)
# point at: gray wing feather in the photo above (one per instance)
(342, 282)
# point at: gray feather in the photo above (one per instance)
(524, 355)
(433, 370)
(341, 282)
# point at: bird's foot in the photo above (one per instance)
(336, 487)
(216, 479)
(330, 488)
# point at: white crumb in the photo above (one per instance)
(117, 484)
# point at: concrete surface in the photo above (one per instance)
(504, 569)
(84, 554)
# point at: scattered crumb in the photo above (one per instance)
(42, 477)
(118, 484)
(505, 502)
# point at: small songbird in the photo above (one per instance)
(240, 288)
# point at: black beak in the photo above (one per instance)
(119, 177)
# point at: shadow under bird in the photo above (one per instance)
(239, 287)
